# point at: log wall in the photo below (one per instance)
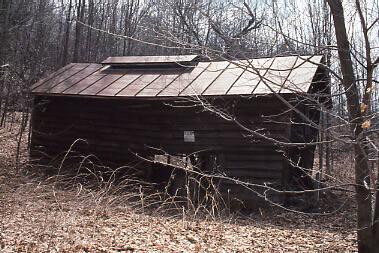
(117, 130)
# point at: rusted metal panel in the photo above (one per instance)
(52, 75)
(276, 76)
(149, 59)
(199, 85)
(83, 84)
(100, 85)
(45, 87)
(157, 85)
(183, 81)
(138, 85)
(302, 74)
(225, 81)
(69, 82)
(247, 83)
(118, 85)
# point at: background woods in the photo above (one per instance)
(37, 37)
(40, 36)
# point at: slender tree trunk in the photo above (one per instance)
(91, 7)
(4, 19)
(328, 41)
(78, 29)
(363, 194)
(376, 213)
(5, 107)
(67, 35)
(4, 26)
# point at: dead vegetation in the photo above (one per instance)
(53, 214)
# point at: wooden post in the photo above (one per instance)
(285, 175)
(320, 155)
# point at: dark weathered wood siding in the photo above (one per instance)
(116, 130)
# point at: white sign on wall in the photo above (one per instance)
(189, 136)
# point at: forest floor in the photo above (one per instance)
(36, 215)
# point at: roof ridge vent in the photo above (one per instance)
(176, 61)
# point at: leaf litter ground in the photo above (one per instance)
(38, 216)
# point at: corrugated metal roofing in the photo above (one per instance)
(256, 76)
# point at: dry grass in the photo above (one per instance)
(39, 215)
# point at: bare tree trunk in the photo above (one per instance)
(5, 107)
(4, 26)
(4, 20)
(67, 35)
(328, 41)
(78, 29)
(363, 194)
(91, 16)
(376, 213)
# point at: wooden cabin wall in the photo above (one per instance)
(116, 130)
(305, 129)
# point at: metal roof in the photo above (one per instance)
(255, 76)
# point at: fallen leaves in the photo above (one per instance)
(30, 225)
(36, 217)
